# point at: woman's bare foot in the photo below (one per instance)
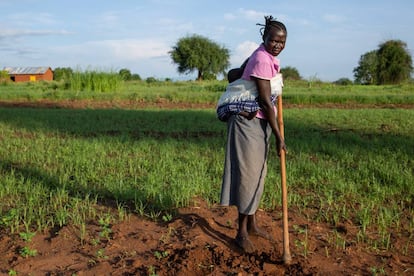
(245, 243)
(254, 230)
(258, 232)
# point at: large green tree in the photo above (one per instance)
(198, 53)
(394, 62)
(62, 73)
(390, 64)
(290, 73)
(125, 74)
(366, 72)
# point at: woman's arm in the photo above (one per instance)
(263, 86)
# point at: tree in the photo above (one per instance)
(195, 52)
(136, 77)
(390, 64)
(63, 73)
(394, 62)
(4, 76)
(343, 81)
(366, 72)
(290, 73)
(125, 74)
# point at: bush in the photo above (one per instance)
(4, 77)
(150, 80)
(343, 81)
(290, 73)
(136, 77)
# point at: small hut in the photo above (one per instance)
(21, 74)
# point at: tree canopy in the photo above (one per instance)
(394, 62)
(62, 73)
(366, 72)
(125, 74)
(4, 76)
(198, 53)
(391, 63)
(290, 73)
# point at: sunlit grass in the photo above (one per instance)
(107, 86)
(58, 166)
(345, 165)
(94, 81)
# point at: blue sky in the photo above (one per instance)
(325, 37)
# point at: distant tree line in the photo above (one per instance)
(391, 63)
(127, 76)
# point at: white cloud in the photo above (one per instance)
(251, 14)
(243, 51)
(126, 49)
(31, 18)
(230, 16)
(21, 33)
(244, 14)
(136, 49)
(142, 56)
(108, 18)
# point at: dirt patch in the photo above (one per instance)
(199, 240)
(104, 104)
(165, 104)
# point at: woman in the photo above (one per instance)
(249, 129)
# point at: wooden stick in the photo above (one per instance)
(287, 258)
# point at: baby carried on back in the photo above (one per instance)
(241, 96)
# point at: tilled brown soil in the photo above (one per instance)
(199, 240)
(162, 103)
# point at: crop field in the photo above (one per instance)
(150, 151)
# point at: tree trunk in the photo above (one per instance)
(200, 75)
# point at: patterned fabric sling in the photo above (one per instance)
(242, 95)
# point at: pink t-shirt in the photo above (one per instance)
(262, 65)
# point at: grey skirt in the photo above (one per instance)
(245, 165)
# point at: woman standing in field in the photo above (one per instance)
(249, 126)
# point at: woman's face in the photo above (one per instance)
(275, 41)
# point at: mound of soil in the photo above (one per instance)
(198, 240)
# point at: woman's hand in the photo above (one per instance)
(280, 145)
(248, 115)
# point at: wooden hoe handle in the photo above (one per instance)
(287, 258)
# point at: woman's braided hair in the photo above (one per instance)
(271, 22)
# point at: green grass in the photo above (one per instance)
(300, 92)
(176, 92)
(98, 86)
(94, 81)
(59, 166)
(73, 158)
